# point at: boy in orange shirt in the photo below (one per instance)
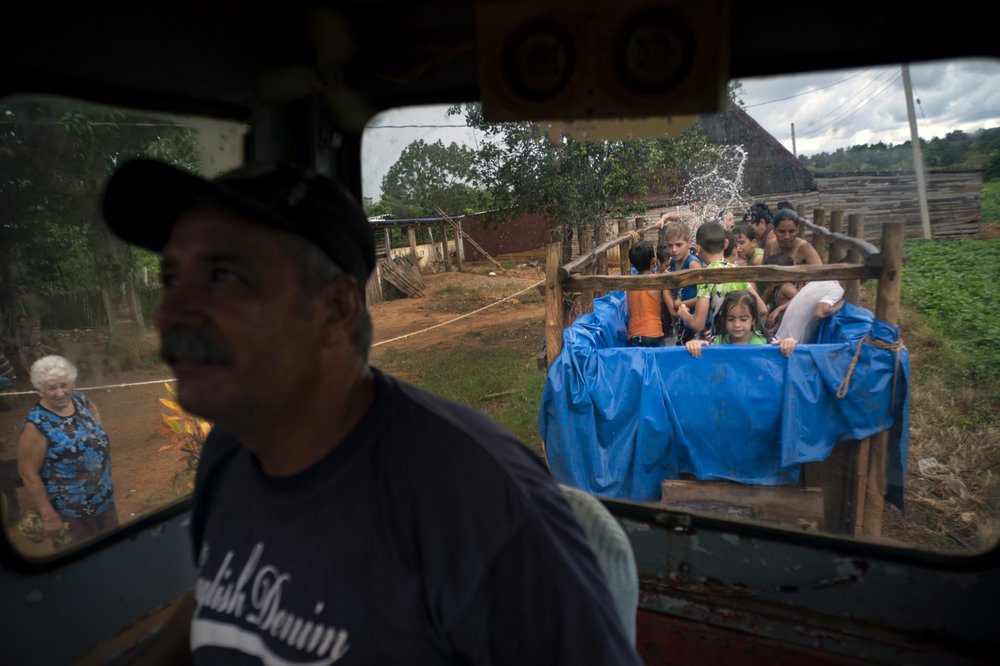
(645, 327)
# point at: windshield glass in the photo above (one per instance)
(72, 292)
(471, 209)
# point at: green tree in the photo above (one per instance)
(55, 157)
(428, 177)
(576, 183)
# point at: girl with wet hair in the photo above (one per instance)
(738, 322)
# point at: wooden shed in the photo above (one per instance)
(770, 167)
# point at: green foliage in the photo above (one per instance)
(428, 177)
(527, 166)
(990, 203)
(55, 156)
(953, 284)
(956, 150)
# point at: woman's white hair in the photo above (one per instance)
(49, 368)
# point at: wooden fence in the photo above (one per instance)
(853, 476)
(953, 201)
(84, 308)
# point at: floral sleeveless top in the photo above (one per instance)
(77, 466)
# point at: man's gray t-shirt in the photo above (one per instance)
(428, 536)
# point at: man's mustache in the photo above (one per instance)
(189, 345)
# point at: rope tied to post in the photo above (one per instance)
(636, 236)
(896, 346)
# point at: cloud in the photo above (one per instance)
(834, 110)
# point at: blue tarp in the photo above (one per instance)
(618, 420)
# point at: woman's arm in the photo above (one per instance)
(31, 448)
(96, 412)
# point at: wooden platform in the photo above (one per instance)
(802, 507)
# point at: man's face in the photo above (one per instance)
(786, 233)
(230, 323)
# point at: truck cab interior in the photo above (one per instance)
(215, 84)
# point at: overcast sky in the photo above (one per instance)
(830, 110)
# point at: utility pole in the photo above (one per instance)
(918, 160)
(794, 152)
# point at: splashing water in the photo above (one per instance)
(716, 184)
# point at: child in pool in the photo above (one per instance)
(738, 323)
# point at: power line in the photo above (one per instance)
(836, 109)
(808, 92)
(835, 123)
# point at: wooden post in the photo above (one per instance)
(836, 226)
(388, 243)
(444, 248)
(623, 262)
(852, 288)
(457, 231)
(887, 309)
(640, 222)
(411, 236)
(819, 242)
(585, 238)
(554, 320)
(601, 263)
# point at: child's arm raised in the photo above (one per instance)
(694, 321)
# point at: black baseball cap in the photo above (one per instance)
(144, 198)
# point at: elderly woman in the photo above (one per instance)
(64, 456)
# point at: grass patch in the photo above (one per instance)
(990, 201)
(501, 381)
(457, 290)
(950, 326)
(953, 285)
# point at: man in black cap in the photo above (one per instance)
(340, 514)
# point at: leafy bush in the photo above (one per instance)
(184, 432)
(991, 201)
(954, 286)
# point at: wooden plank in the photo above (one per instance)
(586, 240)
(444, 249)
(782, 504)
(887, 303)
(843, 487)
(862, 247)
(601, 263)
(852, 288)
(836, 226)
(553, 301)
(801, 273)
(411, 236)
(625, 237)
(819, 239)
(589, 256)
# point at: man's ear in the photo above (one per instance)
(339, 308)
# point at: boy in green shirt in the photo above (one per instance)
(711, 240)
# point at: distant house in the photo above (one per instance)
(770, 167)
